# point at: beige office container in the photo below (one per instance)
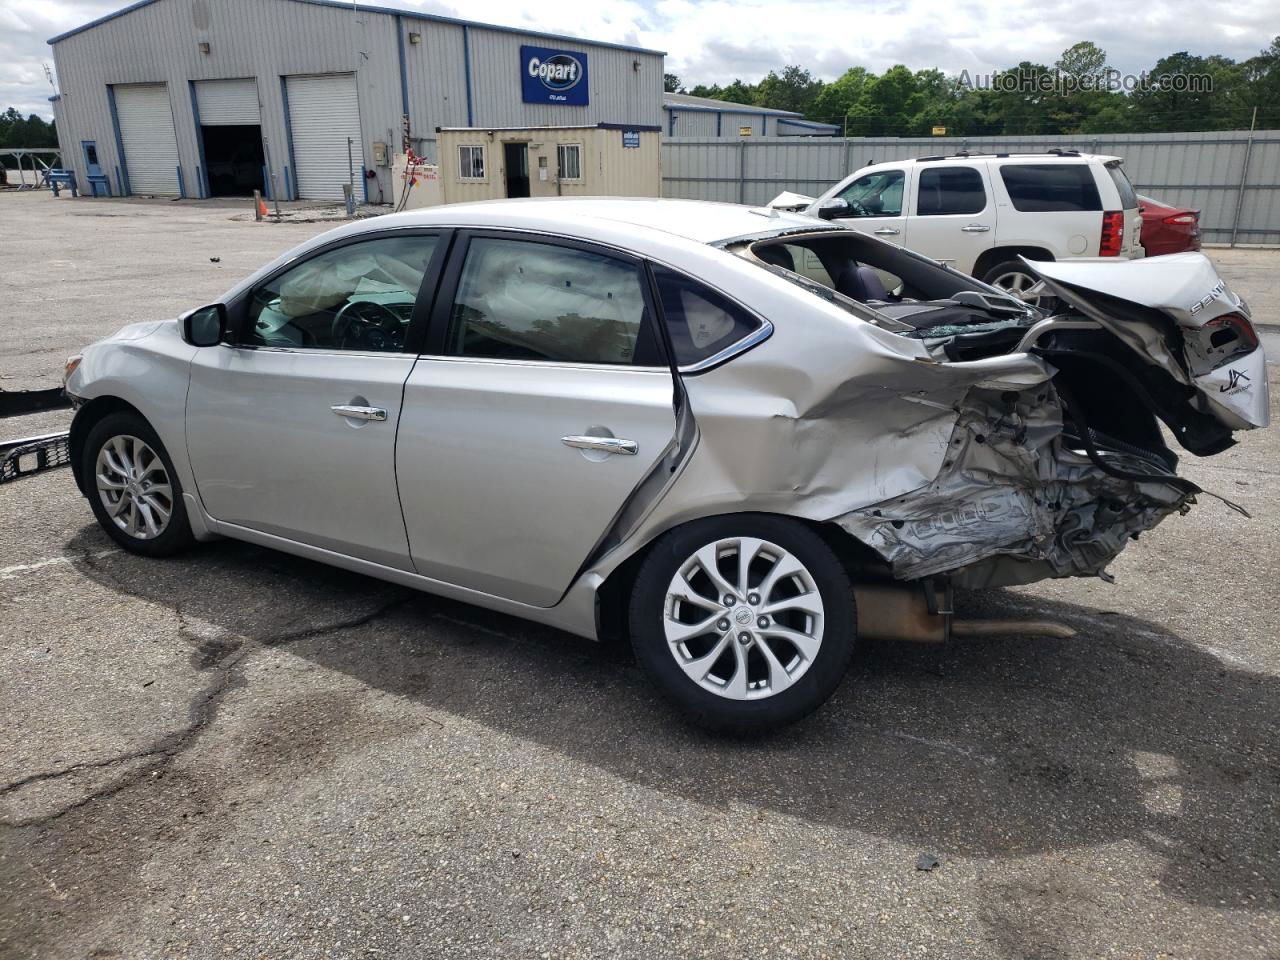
(587, 161)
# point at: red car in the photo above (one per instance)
(1168, 229)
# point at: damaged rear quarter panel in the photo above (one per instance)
(829, 415)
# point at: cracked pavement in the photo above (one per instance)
(237, 753)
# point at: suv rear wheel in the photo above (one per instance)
(1013, 277)
(745, 623)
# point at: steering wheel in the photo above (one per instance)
(857, 209)
(367, 325)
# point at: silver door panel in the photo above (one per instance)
(494, 499)
(270, 453)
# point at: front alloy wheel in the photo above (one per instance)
(134, 487)
(744, 622)
(131, 485)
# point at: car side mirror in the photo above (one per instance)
(833, 209)
(205, 326)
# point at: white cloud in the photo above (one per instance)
(715, 41)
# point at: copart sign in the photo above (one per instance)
(553, 76)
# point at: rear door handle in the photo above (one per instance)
(888, 232)
(627, 448)
(976, 228)
(352, 412)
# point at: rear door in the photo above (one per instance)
(1054, 205)
(541, 404)
(953, 217)
(291, 428)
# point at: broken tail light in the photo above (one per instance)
(1112, 233)
(1219, 341)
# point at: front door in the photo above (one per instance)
(92, 166)
(515, 162)
(875, 205)
(954, 215)
(291, 429)
(541, 405)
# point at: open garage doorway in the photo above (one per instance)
(230, 123)
(234, 157)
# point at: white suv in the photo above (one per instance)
(980, 212)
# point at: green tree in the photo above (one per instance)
(671, 83)
(836, 99)
(794, 89)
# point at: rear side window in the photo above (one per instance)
(520, 300)
(946, 190)
(1050, 187)
(700, 321)
(1128, 198)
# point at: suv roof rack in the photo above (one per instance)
(1002, 155)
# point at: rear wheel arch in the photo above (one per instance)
(85, 419)
(998, 255)
(613, 597)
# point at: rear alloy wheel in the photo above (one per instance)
(745, 623)
(132, 486)
(1013, 278)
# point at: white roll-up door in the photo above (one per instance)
(323, 114)
(225, 103)
(146, 130)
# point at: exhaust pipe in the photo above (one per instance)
(921, 612)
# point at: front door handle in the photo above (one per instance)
(888, 232)
(976, 228)
(352, 412)
(627, 448)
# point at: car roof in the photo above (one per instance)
(1003, 158)
(698, 220)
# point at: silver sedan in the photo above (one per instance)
(739, 437)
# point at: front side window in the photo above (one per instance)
(1050, 187)
(876, 194)
(569, 157)
(471, 163)
(357, 297)
(950, 190)
(699, 321)
(521, 300)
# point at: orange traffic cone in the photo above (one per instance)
(262, 208)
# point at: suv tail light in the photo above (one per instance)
(1181, 218)
(1112, 233)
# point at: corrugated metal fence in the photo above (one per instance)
(1232, 177)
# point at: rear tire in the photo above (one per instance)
(1014, 278)
(743, 649)
(132, 487)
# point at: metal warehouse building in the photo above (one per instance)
(296, 98)
(689, 116)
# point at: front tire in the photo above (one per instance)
(745, 623)
(132, 487)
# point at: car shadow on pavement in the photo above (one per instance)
(986, 748)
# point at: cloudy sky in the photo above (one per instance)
(718, 40)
